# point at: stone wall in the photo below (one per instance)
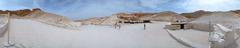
(201, 27)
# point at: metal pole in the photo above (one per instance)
(8, 28)
(9, 44)
(212, 44)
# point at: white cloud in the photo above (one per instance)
(152, 3)
(211, 5)
(79, 9)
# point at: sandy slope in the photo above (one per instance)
(32, 34)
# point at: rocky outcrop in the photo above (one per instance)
(93, 21)
(52, 19)
(115, 18)
(133, 16)
(162, 16)
(41, 16)
(21, 13)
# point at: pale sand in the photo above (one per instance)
(32, 34)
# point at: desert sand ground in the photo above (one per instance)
(32, 34)
(26, 33)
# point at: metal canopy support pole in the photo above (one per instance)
(8, 28)
(9, 43)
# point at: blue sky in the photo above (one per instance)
(82, 9)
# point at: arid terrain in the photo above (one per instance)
(34, 28)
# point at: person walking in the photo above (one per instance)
(144, 25)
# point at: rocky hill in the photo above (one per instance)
(41, 16)
(196, 14)
(224, 18)
(58, 20)
(115, 18)
(162, 16)
(93, 21)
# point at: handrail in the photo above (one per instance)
(182, 40)
(3, 28)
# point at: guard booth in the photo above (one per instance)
(176, 26)
(146, 21)
(177, 22)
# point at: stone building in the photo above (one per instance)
(178, 22)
